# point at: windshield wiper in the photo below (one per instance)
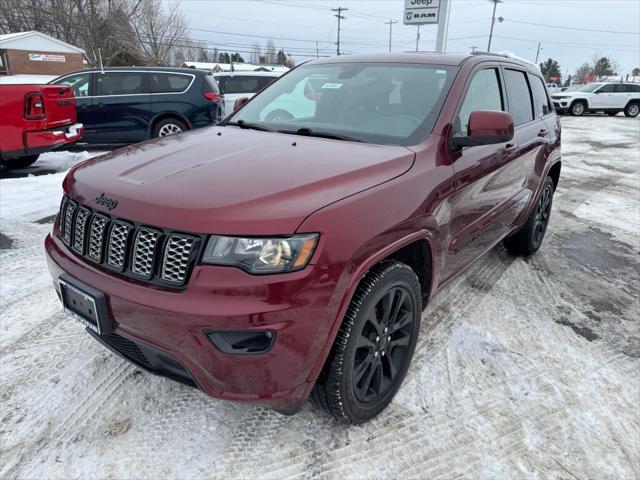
(307, 132)
(251, 126)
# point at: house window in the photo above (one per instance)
(4, 65)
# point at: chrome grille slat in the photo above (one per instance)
(177, 255)
(80, 229)
(96, 237)
(117, 247)
(69, 212)
(144, 249)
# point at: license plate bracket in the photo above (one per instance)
(85, 304)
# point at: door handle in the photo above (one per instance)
(543, 133)
(509, 147)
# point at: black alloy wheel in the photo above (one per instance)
(542, 214)
(374, 346)
(383, 345)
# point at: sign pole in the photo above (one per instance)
(443, 26)
(417, 38)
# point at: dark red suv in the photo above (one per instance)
(269, 261)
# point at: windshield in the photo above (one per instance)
(591, 87)
(384, 103)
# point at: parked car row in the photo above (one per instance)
(610, 98)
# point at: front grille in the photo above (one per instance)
(147, 253)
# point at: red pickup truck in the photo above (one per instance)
(34, 120)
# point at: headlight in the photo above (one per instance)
(558, 97)
(261, 255)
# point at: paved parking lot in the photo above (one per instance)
(524, 368)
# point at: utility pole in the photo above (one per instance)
(493, 21)
(390, 23)
(473, 48)
(538, 53)
(317, 52)
(339, 17)
(417, 37)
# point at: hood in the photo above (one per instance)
(227, 180)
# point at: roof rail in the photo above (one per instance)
(506, 55)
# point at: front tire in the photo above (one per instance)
(374, 346)
(528, 239)
(21, 162)
(578, 109)
(632, 110)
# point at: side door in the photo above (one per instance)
(122, 105)
(604, 97)
(483, 179)
(82, 87)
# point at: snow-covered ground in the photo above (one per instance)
(525, 368)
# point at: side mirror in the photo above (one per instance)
(486, 127)
(240, 103)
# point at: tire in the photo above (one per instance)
(632, 109)
(21, 162)
(369, 357)
(168, 126)
(528, 239)
(278, 116)
(578, 108)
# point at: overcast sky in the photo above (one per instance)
(590, 27)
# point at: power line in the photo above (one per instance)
(571, 28)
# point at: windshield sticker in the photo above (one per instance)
(333, 86)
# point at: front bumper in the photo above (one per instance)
(45, 140)
(561, 105)
(301, 308)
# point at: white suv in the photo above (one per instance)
(610, 98)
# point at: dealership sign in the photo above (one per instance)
(42, 57)
(421, 12)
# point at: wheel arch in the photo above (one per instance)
(579, 100)
(633, 100)
(554, 173)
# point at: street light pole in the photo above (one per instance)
(417, 38)
(493, 21)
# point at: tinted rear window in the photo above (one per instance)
(120, 83)
(520, 105)
(243, 84)
(169, 82)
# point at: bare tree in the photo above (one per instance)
(270, 53)
(159, 31)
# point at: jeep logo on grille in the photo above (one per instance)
(105, 201)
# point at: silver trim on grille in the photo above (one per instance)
(177, 254)
(80, 229)
(69, 211)
(144, 249)
(96, 237)
(117, 248)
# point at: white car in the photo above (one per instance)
(553, 87)
(235, 85)
(610, 98)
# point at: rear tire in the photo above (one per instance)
(373, 349)
(632, 109)
(578, 108)
(167, 127)
(21, 162)
(528, 239)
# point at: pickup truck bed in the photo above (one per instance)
(34, 120)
